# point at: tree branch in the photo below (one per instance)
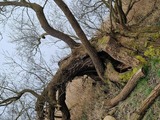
(120, 13)
(19, 94)
(130, 6)
(126, 90)
(80, 33)
(43, 21)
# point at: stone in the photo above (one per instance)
(109, 118)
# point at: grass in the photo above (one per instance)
(141, 92)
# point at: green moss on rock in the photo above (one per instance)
(127, 75)
(152, 51)
(103, 40)
(141, 59)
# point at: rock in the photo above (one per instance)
(109, 118)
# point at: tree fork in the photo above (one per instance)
(80, 33)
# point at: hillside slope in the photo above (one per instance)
(87, 99)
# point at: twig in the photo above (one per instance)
(15, 98)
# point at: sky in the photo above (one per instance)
(5, 48)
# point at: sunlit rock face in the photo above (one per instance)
(79, 92)
(85, 99)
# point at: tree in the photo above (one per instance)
(111, 58)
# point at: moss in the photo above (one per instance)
(155, 36)
(141, 59)
(103, 40)
(152, 52)
(155, 66)
(145, 43)
(149, 115)
(127, 75)
(154, 62)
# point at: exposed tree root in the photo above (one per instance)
(63, 107)
(126, 90)
(70, 69)
(138, 115)
(78, 64)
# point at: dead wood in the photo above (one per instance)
(126, 90)
(138, 115)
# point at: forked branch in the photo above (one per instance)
(18, 96)
(80, 33)
(43, 21)
(116, 10)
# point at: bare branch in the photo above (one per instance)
(19, 94)
(120, 13)
(80, 33)
(130, 6)
(116, 11)
(107, 4)
(43, 21)
(111, 10)
(45, 3)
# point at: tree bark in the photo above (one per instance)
(64, 109)
(68, 70)
(89, 48)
